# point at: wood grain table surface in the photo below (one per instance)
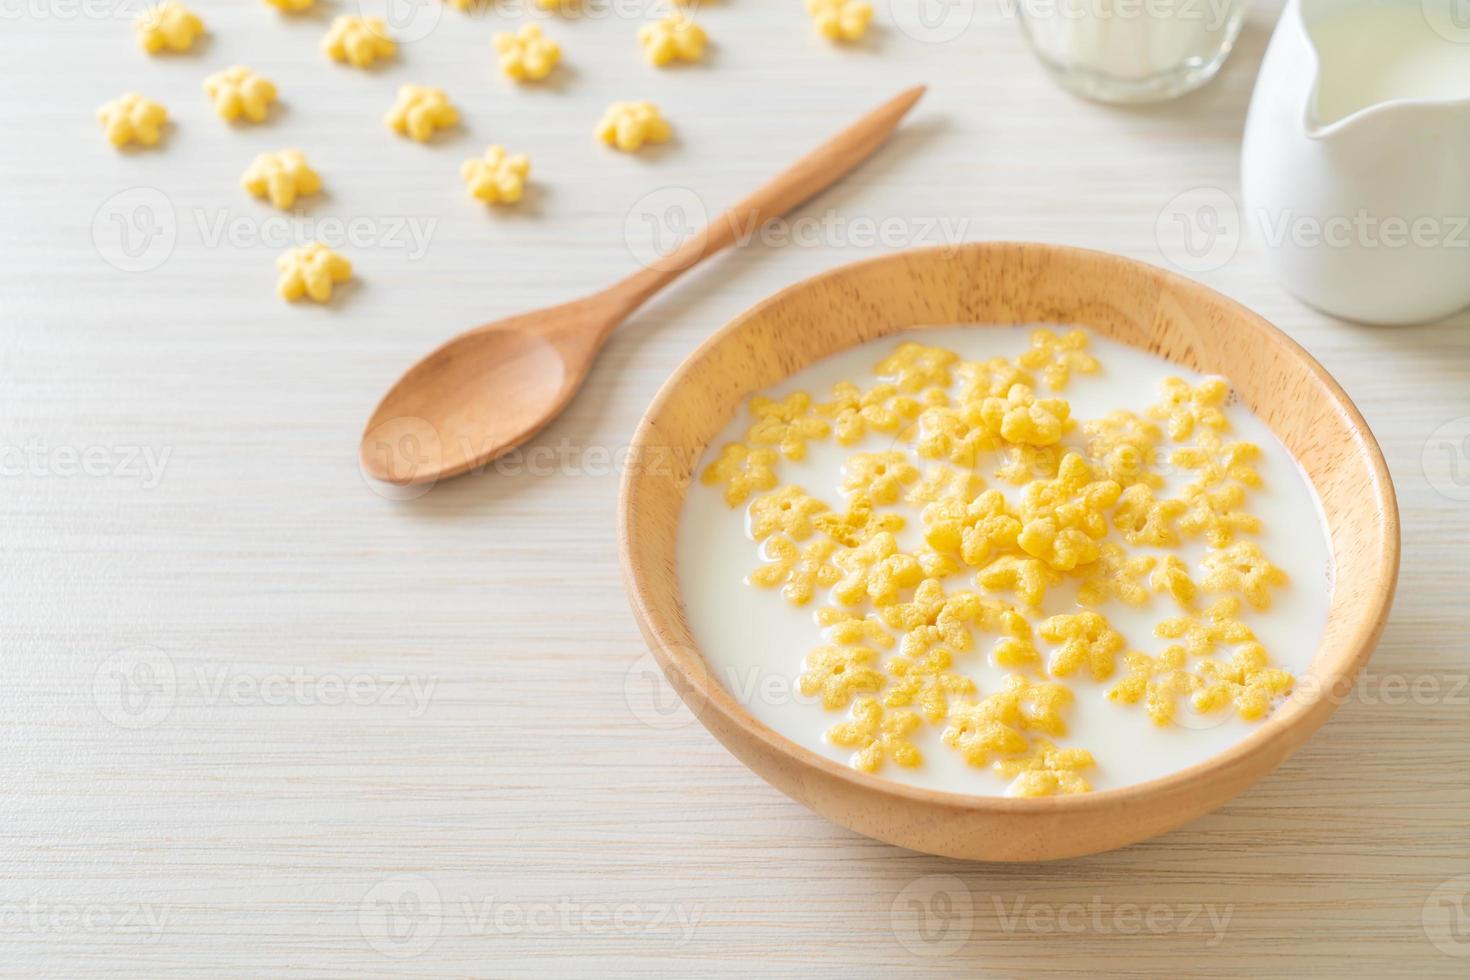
(261, 720)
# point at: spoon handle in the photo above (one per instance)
(807, 177)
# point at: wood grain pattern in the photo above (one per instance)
(547, 766)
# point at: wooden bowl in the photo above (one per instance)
(1000, 283)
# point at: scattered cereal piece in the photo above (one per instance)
(1086, 638)
(878, 735)
(881, 477)
(281, 178)
(311, 271)
(1185, 408)
(799, 570)
(973, 530)
(1219, 624)
(527, 55)
(992, 378)
(854, 629)
(932, 618)
(1217, 461)
(853, 412)
(743, 471)
(629, 125)
(838, 674)
(358, 41)
(995, 725)
(1021, 417)
(876, 570)
(786, 424)
(1117, 575)
(977, 734)
(1124, 445)
(420, 111)
(167, 26)
(955, 434)
(1171, 575)
(914, 367)
(840, 20)
(1046, 771)
(674, 38)
(945, 482)
(238, 91)
(497, 177)
(1247, 681)
(1142, 519)
(926, 683)
(1216, 514)
(1057, 357)
(132, 119)
(861, 522)
(1157, 681)
(1016, 649)
(1242, 568)
(790, 510)
(1028, 578)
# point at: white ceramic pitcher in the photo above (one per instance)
(1366, 217)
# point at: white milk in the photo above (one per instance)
(1381, 53)
(754, 640)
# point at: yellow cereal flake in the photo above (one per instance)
(281, 178)
(1218, 625)
(1021, 417)
(838, 674)
(1124, 445)
(878, 736)
(953, 433)
(1027, 578)
(977, 733)
(914, 367)
(743, 471)
(1143, 519)
(1074, 498)
(1016, 649)
(861, 522)
(933, 618)
(789, 510)
(673, 38)
(840, 20)
(995, 725)
(1117, 575)
(993, 378)
(926, 683)
(239, 92)
(787, 424)
(167, 26)
(1217, 461)
(1046, 770)
(627, 126)
(854, 412)
(798, 570)
(420, 111)
(132, 119)
(292, 6)
(1087, 639)
(1026, 463)
(1216, 514)
(1186, 408)
(1170, 575)
(311, 271)
(496, 177)
(843, 626)
(876, 570)
(881, 477)
(1242, 569)
(1058, 357)
(526, 55)
(1159, 682)
(973, 531)
(940, 482)
(358, 41)
(1248, 682)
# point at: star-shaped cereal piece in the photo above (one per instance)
(881, 477)
(132, 119)
(1216, 514)
(914, 367)
(358, 41)
(1218, 625)
(992, 378)
(1021, 417)
(878, 735)
(861, 522)
(1063, 548)
(1248, 682)
(994, 725)
(1170, 575)
(1086, 638)
(855, 412)
(1186, 408)
(838, 674)
(1125, 447)
(238, 92)
(799, 570)
(281, 178)
(956, 434)
(627, 126)
(167, 26)
(1243, 569)
(1026, 463)
(527, 55)
(673, 38)
(1159, 682)
(1058, 357)
(1074, 497)
(876, 570)
(742, 470)
(1116, 575)
(1046, 770)
(845, 627)
(926, 683)
(1143, 519)
(1216, 461)
(420, 111)
(1028, 578)
(788, 423)
(311, 270)
(940, 482)
(790, 510)
(840, 20)
(932, 618)
(974, 530)
(497, 177)
(1016, 649)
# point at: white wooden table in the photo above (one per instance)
(260, 720)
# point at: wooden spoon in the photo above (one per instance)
(491, 388)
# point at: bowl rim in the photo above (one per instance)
(1308, 714)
